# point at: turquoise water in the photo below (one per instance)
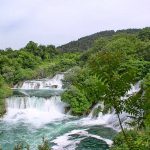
(36, 113)
(30, 118)
(12, 133)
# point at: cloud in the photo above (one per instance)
(60, 21)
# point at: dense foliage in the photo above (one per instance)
(87, 42)
(106, 73)
(140, 140)
(82, 85)
(108, 68)
(32, 61)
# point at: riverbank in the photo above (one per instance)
(5, 91)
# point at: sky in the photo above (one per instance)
(60, 21)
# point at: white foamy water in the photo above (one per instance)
(55, 82)
(65, 143)
(134, 89)
(34, 110)
(110, 119)
(41, 110)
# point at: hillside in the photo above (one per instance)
(87, 42)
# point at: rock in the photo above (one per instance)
(54, 86)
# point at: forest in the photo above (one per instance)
(101, 67)
(32, 61)
(87, 42)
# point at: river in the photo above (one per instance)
(36, 111)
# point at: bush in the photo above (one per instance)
(139, 140)
(5, 91)
(45, 145)
(77, 101)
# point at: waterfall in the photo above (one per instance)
(133, 90)
(110, 119)
(43, 110)
(30, 117)
(55, 82)
(34, 110)
(101, 105)
(41, 88)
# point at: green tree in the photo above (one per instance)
(144, 34)
(84, 90)
(106, 65)
(76, 99)
(28, 60)
(31, 47)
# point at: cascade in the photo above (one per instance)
(34, 110)
(55, 82)
(110, 119)
(41, 88)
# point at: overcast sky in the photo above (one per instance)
(60, 21)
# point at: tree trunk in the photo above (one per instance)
(124, 134)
